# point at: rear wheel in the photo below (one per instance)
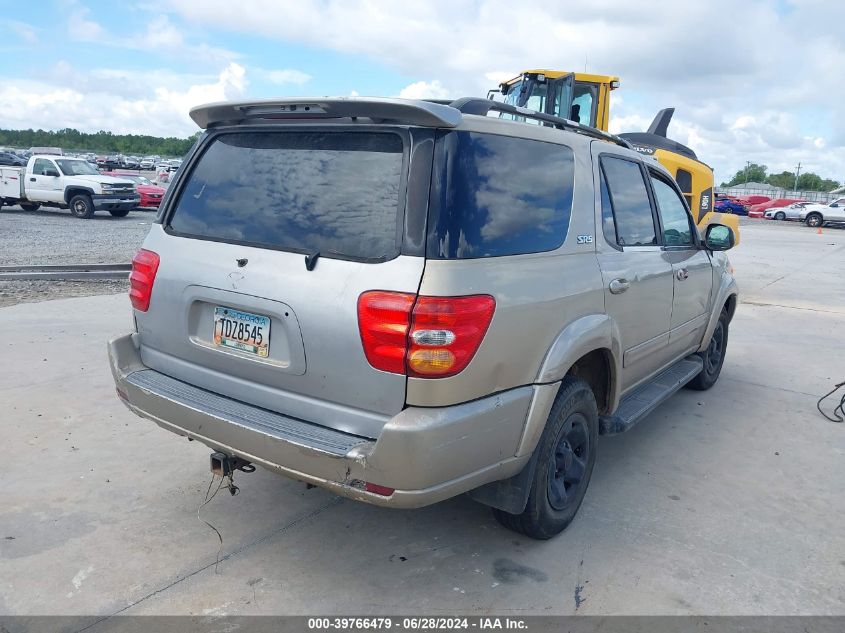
(119, 213)
(30, 206)
(565, 460)
(713, 356)
(814, 220)
(81, 206)
(780, 215)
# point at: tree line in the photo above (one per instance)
(808, 181)
(101, 142)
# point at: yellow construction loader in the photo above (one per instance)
(585, 99)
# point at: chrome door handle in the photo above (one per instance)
(618, 286)
(682, 274)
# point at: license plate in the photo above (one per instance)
(243, 331)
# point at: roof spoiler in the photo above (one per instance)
(428, 113)
(403, 111)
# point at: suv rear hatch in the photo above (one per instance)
(266, 245)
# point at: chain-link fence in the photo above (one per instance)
(776, 193)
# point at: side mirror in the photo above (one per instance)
(719, 237)
(833, 204)
(51, 172)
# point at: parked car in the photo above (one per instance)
(7, 158)
(790, 212)
(752, 200)
(334, 328)
(817, 215)
(150, 193)
(759, 210)
(726, 205)
(163, 173)
(146, 163)
(107, 163)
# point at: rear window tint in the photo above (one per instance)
(498, 195)
(333, 193)
(630, 201)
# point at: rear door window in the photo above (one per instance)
(677, 230)
(629, 199)
(498, 195)
(336, 193)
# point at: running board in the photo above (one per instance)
(645, 398)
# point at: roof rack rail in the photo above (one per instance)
(480, 107)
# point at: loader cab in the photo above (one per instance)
(580, 97)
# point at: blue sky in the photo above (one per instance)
(757, 80)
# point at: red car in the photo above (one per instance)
(758, 210)
(750, 201)
(151, 194)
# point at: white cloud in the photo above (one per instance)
(772, 97)
(158, 35)
(284, 76)
(425, 90)
(162, 111)
(24, 31)
(697, 57)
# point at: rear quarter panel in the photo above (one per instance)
(537, 295)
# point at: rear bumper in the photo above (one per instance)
(425, 454)
(114, 203)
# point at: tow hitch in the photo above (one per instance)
(224, 466)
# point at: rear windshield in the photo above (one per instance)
(336, 193)
(498, 195)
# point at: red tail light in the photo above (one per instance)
(425, 337)
(141, 279)
(446, 333)
(383, 319)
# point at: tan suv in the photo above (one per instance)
(403, 301)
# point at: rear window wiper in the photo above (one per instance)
(311, 260)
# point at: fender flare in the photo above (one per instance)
(580, 337)
(727, 289)
(76, 188)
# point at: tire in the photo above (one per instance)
(566, 454)
(713, 356)
(81, 206)
(119, 213)
(814, 219)
(30, 206)
(780, 215)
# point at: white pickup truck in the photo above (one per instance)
(67, 183)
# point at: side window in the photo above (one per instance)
(608, 224)
(630, 202)
(583, 104)
(498, 195)
(684, 180)
(42, 167)
(673, 215)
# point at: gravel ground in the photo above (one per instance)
(53, 236)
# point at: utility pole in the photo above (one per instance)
(797, 173)
(747, 167)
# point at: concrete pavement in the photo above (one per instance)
(723, 502)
